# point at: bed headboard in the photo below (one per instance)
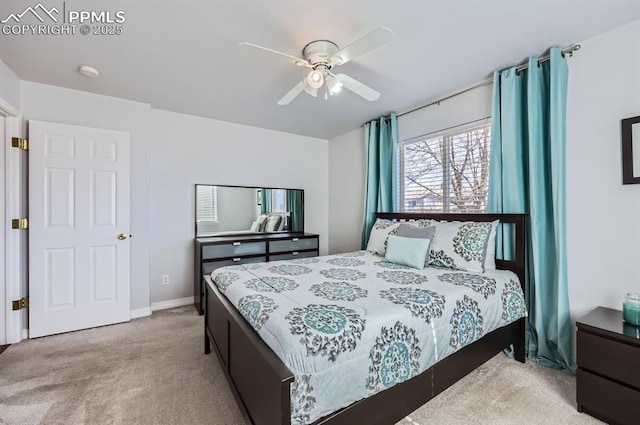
(518, 220)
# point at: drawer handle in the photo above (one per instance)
(236, 243)
(295, 253)
(236, 259)
(295, 239)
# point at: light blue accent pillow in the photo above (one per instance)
(407, 251)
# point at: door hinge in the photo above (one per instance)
(20, 304)
(20, 223)
(20, 143)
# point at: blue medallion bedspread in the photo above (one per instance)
(351, 325)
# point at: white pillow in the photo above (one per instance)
(460, 245)
(255, 227)
(262, 221)
(490, 258)
(407, 251)
(273, 222)
(379, 233)
(282, 223)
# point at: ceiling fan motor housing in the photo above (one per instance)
(319, 52)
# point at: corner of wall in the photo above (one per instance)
(10, 98)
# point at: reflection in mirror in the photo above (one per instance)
(231, 210)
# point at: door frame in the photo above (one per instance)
(15, 246)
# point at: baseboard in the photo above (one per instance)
(140, 312)
(178, 302)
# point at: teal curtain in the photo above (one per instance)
(265, 201)
(527, 175)
(380, 142)
(295, 206)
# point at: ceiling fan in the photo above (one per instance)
(322, 56)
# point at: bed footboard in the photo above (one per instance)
(259, 380)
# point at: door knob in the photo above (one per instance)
(122, 236)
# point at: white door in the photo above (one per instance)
(4, 289)
(78, 228)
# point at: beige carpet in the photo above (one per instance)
(153, 371)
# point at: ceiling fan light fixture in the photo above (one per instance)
(333, 85)
(311, 90)
(315, 79)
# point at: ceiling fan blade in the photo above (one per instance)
(293, 93)
(358, 88)
(374, 39)
(296, 60)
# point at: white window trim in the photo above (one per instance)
(214, 207)
(444, 133)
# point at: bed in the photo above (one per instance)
(368, 296)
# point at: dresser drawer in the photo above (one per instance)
(607, 400)
(234, 249)
(209, 266)
(612, 359)
(293, 255)
(295, 244)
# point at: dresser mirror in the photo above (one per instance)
(239, 210)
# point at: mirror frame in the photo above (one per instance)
(195, 221)
(627, 150)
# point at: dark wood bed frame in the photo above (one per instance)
(260, 381)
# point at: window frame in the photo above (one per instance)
(446, 136)
(214, 208)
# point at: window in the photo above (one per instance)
(207, 208)
(446, 172)
(279, 200)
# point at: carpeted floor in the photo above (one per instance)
(153, 371)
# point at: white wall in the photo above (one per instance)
(603, 216)
(9, 87)
(346, 160)
(470, 106)
(48, 103)
(187, 150)
(346, 191)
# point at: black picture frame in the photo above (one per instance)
(628, 175)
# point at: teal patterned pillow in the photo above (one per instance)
(460, 245)
(407, 251)
(380, 232)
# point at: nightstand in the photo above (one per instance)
(608, 375)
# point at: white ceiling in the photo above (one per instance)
(184, 56)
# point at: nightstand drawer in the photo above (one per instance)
(612, 359)
(209, 266)
(293, 255)
(295, 244)
(234, 249)
(607, 400)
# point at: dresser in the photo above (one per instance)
(608, 375)
(211, 253)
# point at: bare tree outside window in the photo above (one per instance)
(448, 173)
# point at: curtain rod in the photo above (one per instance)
(568, 51)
